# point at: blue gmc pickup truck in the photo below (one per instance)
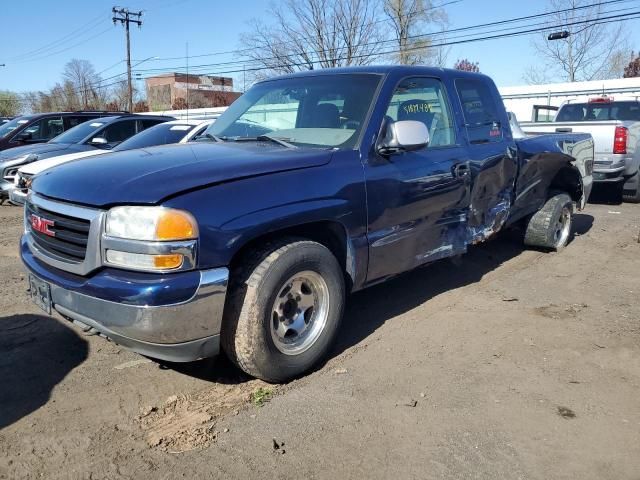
(309, 187)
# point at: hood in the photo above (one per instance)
(38, 166)
(147, 176)
(38, 149)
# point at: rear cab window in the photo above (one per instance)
(479, 110)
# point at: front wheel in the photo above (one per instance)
(550, 227)
(284, 309)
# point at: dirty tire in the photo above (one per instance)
(543, 227)
(247, 336)
(632, 196)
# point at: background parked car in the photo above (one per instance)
(175, 131)
(42, 127)
(102, 133)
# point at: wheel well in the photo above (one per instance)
(330, 234)
(569, 180)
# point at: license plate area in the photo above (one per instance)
(40, 293)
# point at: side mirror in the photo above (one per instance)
(404, 136)
(98, 141)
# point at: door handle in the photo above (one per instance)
(461, 170)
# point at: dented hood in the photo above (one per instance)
(148, 176)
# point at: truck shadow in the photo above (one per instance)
(606, 194)
(37, 353)
(369, 309)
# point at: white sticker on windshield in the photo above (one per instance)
(180, 127)
(20, 122)
(96, 124)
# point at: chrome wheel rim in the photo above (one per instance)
(563, 227)
(299, 313)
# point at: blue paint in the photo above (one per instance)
(397, 212)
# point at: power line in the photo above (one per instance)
(237, 51)
(444, 32)
(451, 41)
(56, 43)
(50, 54)
(601, 21)
(96, 85)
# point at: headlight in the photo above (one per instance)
(151, 223)
(156, 239)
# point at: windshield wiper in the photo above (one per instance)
(263, 138)
(279, 141)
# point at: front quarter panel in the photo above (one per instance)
(232, 214)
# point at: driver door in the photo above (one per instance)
(418, 201)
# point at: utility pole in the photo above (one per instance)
(123, 15)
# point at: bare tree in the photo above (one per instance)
(586, 54)
(310, 34)
(10, 103)
(85, 81)
(411, 18)
(119, 95)
(439, 55)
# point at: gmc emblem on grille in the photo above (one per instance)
(42, 225)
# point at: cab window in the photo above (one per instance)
(424, 100)
(479, 111)
(118, 131)
(45, 129)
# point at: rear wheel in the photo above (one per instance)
(283, 310)
(550, 227)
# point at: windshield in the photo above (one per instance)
(159, 135)
(79, 132)
(326, 111)
(592, 112)
(7, 128)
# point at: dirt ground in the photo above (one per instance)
(507, 363)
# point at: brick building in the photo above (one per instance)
(170, 91)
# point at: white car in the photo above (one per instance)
(175, 131)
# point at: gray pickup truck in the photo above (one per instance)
(614, 125)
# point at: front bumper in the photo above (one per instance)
(179, 332)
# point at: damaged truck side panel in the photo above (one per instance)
(434, 203)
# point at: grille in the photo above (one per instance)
(70, 234)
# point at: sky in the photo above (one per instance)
(35, 43)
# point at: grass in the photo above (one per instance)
(261, 396)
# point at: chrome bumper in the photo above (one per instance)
(181, 332)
